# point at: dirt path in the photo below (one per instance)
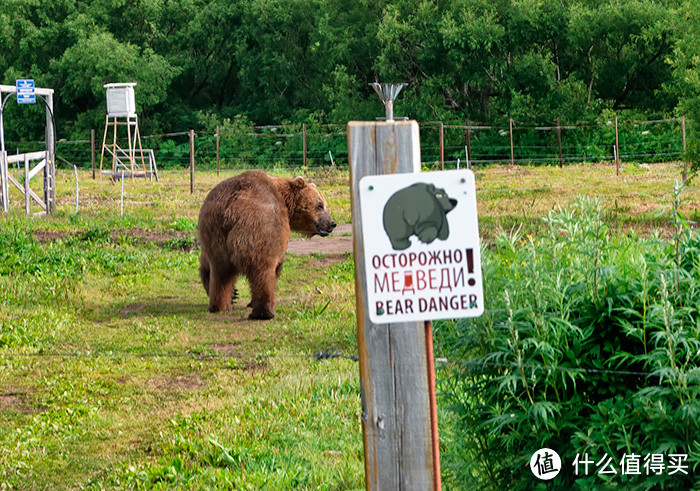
(339, 242)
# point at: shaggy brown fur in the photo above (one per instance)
(244, 227)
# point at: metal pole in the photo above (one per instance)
(437, 478)
(4, 189)
(388, 93)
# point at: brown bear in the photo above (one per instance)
(244, 226)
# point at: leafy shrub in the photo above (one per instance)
(590, 344)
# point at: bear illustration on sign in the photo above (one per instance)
(420, 210)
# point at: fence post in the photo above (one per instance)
(92, 151)
(217, 149)
(685, 157)
(617, 149)
(191, 161)
(512, 153)
(27, 202)
(561, 162)
(469, 149)
(394, 363)
(303, 141)
(442, 146)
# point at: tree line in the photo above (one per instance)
(199, 63)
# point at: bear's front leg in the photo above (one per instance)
(427, 233)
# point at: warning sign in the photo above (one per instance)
(421, 246)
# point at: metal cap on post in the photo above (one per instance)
(388, 93)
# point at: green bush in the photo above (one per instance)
(590, 344)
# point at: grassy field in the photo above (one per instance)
(113, 374)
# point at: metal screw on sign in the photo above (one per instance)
(388, 93)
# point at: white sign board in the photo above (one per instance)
(25, 91)
(421, 246)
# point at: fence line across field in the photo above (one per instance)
(331, 354)
(304, 145)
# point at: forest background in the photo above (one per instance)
(199, 63)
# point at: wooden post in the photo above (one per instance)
(685, 157)
(303, 142)
(191, 161)
(92, 151)
(617, 149)
(512, 153)
(394, 371)
(217, 149)
(561, 161)
(442, 146)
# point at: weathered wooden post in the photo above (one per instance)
(393, 357)
(397, 287)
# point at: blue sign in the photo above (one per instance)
(25, 92)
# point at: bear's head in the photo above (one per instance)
(310, 211)
(446, 203)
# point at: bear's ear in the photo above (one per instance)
(431, 187)
(298, 182)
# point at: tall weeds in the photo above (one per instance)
(590, 343)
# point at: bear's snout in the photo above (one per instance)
(326, 227)
(453, 202)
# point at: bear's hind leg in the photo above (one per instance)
(263, 284)
(204, 271)
(221, 288)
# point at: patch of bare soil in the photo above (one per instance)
(16, 401)
(188, 382)
(132, 309)
(339, 242)
(239, 360)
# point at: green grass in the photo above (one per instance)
(113, 374)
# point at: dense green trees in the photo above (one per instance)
(274, 61)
